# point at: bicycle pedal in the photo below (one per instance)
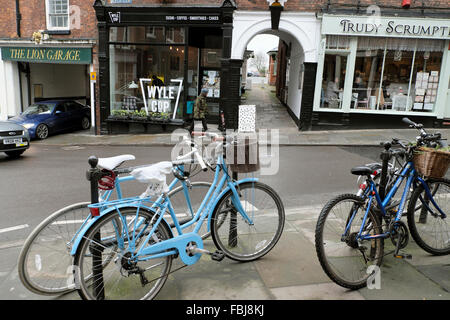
(218, 256)
(403, 256)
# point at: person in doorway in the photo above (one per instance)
(200, 110)
(157, 82)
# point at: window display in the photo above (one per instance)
(334, 78)
(139, 72)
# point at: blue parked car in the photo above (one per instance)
(53, 116)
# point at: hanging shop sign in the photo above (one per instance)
(386, 27)
(160, 98)
(119, 17)
(48, 55)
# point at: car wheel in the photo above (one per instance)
(85, 123)
(42, 131)
(14, 154)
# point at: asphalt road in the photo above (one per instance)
(47, 178)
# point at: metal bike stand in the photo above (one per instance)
(94, 175)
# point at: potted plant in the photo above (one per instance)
(165, 116)
(120, 115)
(158, 116)
(139, 115)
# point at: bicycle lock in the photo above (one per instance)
(94, 175)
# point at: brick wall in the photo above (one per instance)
(34, 19)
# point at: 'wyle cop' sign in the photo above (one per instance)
(159, 98)
(386, 27)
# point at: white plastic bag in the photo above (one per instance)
(155, 176)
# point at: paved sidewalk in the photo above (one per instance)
(291, 271)
(287, 137)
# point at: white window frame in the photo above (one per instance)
(47, 15)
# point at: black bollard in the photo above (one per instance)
(94, 175)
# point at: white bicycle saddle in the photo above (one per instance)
(155, 176)
(112, 163)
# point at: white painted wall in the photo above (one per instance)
(59, 80)
(294, 100)
(9, 89)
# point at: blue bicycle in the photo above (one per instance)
(129, 249)
(45, 264)
(351, 229)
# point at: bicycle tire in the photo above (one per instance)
(234, 248)
(376, 252)
(25, 270)
(130, 283)
(418, 218)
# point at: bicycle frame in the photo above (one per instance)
(105, 198)
(408, 172)
(177, 244)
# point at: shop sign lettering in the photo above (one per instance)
(187, 18)
(385, 26)
(56, 55)
(159, 98)
(392, 27)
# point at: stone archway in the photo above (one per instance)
(303, 27)
(301, 31)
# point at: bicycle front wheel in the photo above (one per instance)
(104, 265)
(247, 240)
(429, 229)
(343, 257)
(45, 263)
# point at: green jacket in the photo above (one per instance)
(200, 108)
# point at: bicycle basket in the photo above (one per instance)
(243, 154)
(431, 162)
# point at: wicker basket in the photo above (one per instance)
(431, 163)
(243, 155)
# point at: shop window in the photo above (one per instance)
(57, 14)
(396, 74)
(175, 35)
(211, 58)
(161, 65)
(425, 81)
(145, 35)
(333, 81)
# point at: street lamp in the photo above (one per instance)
(275, 13)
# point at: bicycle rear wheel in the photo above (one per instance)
(105, 247)
(429, 230)
(343, 258)
(240, 240)
(45, 263)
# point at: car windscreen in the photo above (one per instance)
(39, 108)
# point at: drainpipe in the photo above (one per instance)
(18, 18)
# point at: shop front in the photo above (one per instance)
(153, 62)
(51, 71)
(374, 70)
